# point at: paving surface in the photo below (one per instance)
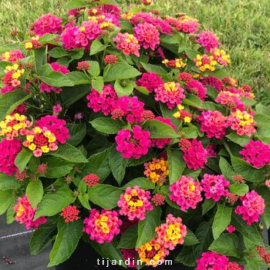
(14, 249)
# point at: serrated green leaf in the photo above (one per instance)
(98, 84)
(106, 125)
(146, 227)
(6, 198)
(66, 241)
(129, 238)
(96, 47)
(176, 165)
(34, 192)
(97, 194)
(23, 158)
(207, 206)
(240, 140)
(8, 182)
(226, 168)
(190, 239)
(239, 189)
(123, 90)
(141, 182)
(222, 219)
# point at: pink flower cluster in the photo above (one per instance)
(184, 24)
(47, 24)
(213, 123)
(208, 40)
(215, 186)
(252, 207)
(160, 143)
(147, 35)
(12, 56)
(9, 149)
(213, 82)
(196, 88)
(25, 214)
(129, 255)
(70, 213)
(91, 180)
(56, 126)
(171, 233)
(211, 260)
(102, 101)
(127, 43)
(232, 100)
(133, 143)
(195, 155)
(102, 226)
(186, 193)
(129, 107)
(150, 80)
(170, 93)
(134, 203)
(58, 68)
(256, 153)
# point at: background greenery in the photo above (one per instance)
(242, 26)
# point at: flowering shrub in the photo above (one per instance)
(122, 128)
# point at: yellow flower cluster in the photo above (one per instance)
(133, 203)
(205, 62)
(182, 114)
(245, 118)
(102, 223)
(157, 170)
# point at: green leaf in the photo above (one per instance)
(42, 237)
(249, 173)
(8, 182)
(98, 84)
(207, 206)
(58, 52)
(71, 95)
(109, 250)
(226, 168)
(123, 90)
(10, 101)
(146, 227)
(227, 244)
(176, 165)
(45, 40)
(106, 125)
(222, 219)
(83, 198)
(40, 58)
(166, 192)
(94, 68)
(75, 4)
(78, 78)
(190, 132)
(77, 133)
(249, 232)
(141, 182)
(239, 189)
(193, 101)
(159, 130)
(265, 193)
(240, 140)
(99, 165)
(96, 47)
(190, 239)
(57, 167)
(54, 202)
(252, 264)
(135, 162)
(262, 120)
(118, 165)
(121, 71)
(69, 153)
(153, 68)
(34, 192)
(23, 158)
(6, 198)
(261, 109)
(98, 193)
(129, 238)
(66, 241)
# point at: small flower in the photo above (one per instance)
(102, 226)
(21, 176)
(129, 255)
(152, 253)
(176, 63)
(70, 213)
(212, 260)
(25, 214)
(186, 193)
(57, 109)
(127, 43)
(182, 114)
(215, 186)
(267, 183)
(134, 203)
(205, 62)
(230, 229)
(91, 180)
(110, 59)
(208, 40)
(157, 171)
(221, 57)
(158, 199)
(150, 80)
(256, 153)
(42, 168)
(252, 207)
(171, 233)
(147, 2)
(238, 178)
(83, 65)
(232, 198)
(134, 143)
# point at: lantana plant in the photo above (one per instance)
(122, 128)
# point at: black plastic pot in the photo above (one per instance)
(85, 257)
